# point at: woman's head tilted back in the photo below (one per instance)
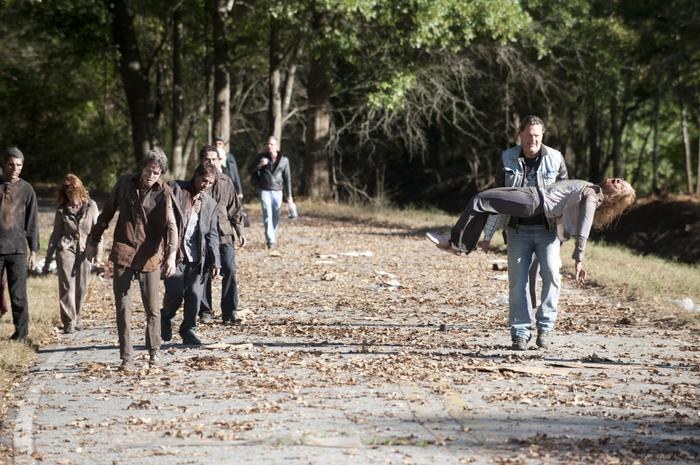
(618, 196)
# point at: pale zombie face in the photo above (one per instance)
(531, 138)
(213, 158)
(203, 182)
(12, 168)
(150, 174)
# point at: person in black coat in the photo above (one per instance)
(198, 252)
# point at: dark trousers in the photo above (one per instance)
(229, 286)
(16, 267)
(186, 284)
(148, 283)
(521, 202)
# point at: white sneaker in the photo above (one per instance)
(442, 242)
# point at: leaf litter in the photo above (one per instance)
(322, 331)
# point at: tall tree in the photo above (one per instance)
(221, 125)
(134, 74)
(178, 161)
(316, 183)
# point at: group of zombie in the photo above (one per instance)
(187, 232)
(183, 231)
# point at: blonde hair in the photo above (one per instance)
(78, 196)
(613, 205)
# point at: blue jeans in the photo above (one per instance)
(522, 244)
(271, 203)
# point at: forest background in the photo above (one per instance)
(404, 102)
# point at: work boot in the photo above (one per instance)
(154, 359)
(126, 366)
(189, 338)
(233, 321)
(205, 318)
(16, 337)
(166, 330)
(544, 339)
(519, 343)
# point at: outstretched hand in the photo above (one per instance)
(580, 273)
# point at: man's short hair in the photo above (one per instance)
(12, 152)
(206, 149)
(157, 155)
(532, 120)
(219, 139)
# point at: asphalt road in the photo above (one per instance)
(366, 345)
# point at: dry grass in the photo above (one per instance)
(43, 318)
(652, 282)
(409, 218)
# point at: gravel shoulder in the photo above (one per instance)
(364, 344)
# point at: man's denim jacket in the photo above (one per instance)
(551, 169)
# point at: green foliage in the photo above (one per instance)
(391, 94)
(430, 88)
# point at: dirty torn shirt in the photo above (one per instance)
(18, 218)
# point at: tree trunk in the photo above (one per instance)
(616, 133)
(697, 127)
(274, 110)
(640, 159)
(316, 182)
(134, 77)
(686, 148)
(594, 151)
(655, 145)
(222, 78)
(288, 90)
(178, 163)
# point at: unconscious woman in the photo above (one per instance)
(75, 216)
(572, 207)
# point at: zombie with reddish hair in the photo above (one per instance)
(76, 214)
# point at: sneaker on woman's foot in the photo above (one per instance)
(442, 242)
